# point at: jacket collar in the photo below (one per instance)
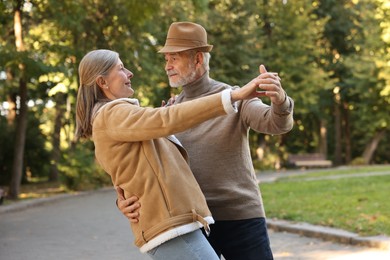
(96, 109)
(133, 101)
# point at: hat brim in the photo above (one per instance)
(169, 49)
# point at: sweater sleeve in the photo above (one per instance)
(263, 118)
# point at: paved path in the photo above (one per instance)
(90, 227)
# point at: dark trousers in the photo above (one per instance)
(241, 239)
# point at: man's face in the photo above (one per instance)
(180, 68)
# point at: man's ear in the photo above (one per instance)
(199, 58)
(101, 82)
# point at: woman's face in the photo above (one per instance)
(117, 82)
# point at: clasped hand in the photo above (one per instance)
(266, 84)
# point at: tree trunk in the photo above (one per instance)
(11, 100)
(21, 119)
(11, 116)
(347, 135)
(20, 138)
(337, 125)
(56, 152)
(323, 149)
(372, 145)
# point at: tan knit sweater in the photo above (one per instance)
(219, 151)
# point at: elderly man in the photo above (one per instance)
(218, 149)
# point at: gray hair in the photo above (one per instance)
(90, 96)
(206, 58)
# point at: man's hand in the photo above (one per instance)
(129, 207)
(266, 84)
(270, 83)
(170, 102)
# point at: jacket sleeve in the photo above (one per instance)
(268, 119)
(123, 121)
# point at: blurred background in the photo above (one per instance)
(332, 55)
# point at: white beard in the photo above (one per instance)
(186, 79)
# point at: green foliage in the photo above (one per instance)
(79, 170)
(356, 56)
(319, 48)
(35, 150)
(358, 161)
(230, 25)
(290, 47)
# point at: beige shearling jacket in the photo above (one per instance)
(133, 145)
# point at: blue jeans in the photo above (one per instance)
(245, 239)
(191, 246)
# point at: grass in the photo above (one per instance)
(357, 204)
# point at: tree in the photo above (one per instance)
(21, 122)
(332, 56)
(357, 59)
(289, 43)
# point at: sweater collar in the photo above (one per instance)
(198, 87)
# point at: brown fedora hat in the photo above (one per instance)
(184, 36)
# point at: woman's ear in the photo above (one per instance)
(101, 82)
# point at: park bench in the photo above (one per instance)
(309, 160)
